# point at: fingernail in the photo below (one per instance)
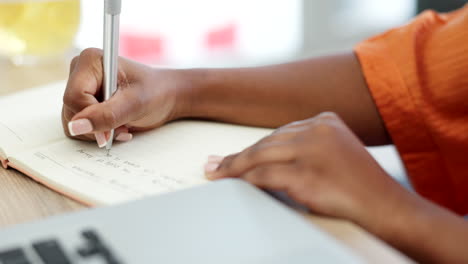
(101, 139)
(215, 159)
(211, 167)
(107, 135)
(124, 137)
(80, 127)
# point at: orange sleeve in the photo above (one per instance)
(418, 77)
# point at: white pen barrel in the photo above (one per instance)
(112, 9)
(111, 54)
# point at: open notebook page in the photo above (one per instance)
(162, 160)
(30, 118)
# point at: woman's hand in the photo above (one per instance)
(146, 98)
(320, 163)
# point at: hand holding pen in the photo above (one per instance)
(137, 106)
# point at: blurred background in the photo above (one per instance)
(208, 33)
(184, 33)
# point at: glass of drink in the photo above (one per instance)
(32, 30)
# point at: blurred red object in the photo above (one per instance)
(224, 37)
(142, 47)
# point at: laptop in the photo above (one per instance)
(228, 221)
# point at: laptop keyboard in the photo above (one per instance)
(49, 251)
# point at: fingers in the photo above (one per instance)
(101, 117)
(213, 164)
(270, 176)
(238, 164)
(284, 145)
(73, 65)
(122, 134)
(273, 148)
(84, 84)
(84, 117)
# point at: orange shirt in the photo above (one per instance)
(418, 76)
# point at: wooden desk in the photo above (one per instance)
(23, 200)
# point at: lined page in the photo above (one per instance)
(31, 118)
(166, 159)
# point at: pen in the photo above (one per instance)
(112, 9)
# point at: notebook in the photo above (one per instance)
(162, 160)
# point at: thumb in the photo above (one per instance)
(105, 116)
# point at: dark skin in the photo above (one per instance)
(266, 96)
(316, 161)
